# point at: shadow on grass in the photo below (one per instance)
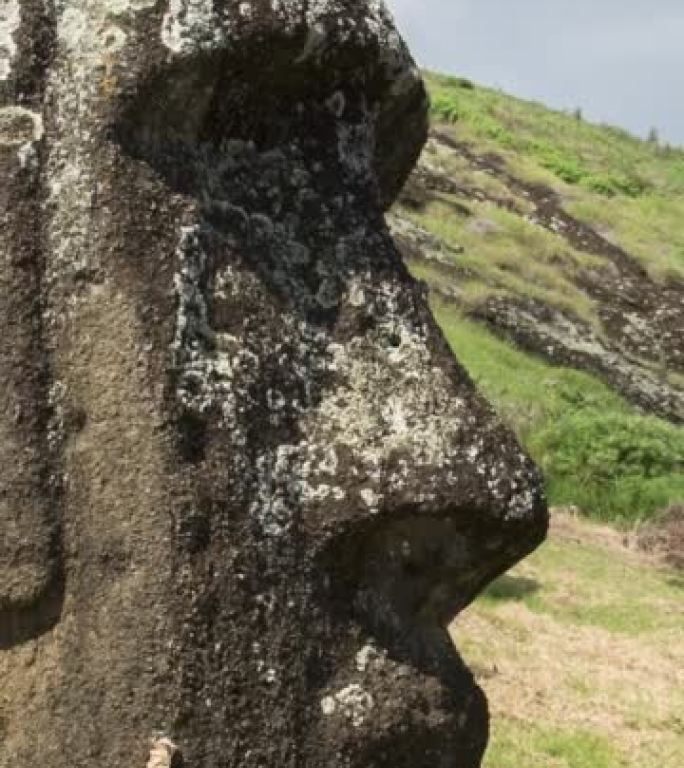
(676, 580)
(511, 588)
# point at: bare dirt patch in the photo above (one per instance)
(664, 538)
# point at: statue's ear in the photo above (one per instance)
(30, 584)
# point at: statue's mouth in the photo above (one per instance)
(413, 573)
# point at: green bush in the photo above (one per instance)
(449, 109)
(453, 81)
(596, 451)
(490, 128)
(602, 185)
(614, 465)
(567, 167)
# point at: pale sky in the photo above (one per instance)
(620, 61)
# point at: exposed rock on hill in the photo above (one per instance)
(245, 486)
(567, 340)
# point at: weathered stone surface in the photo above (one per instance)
(244, 484)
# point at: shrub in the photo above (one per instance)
(602, 185)
(614, 465)
(463, 82)
(611, 185)
(451, 81)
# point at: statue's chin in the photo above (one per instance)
(414, 723)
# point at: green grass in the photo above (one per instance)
(521, 745)
(632, 188)
(503, 251)
(612, 462)
(636, 610)
(575, 149)
(650, 228)
(460, 169)
(579, 647)
(595, 450)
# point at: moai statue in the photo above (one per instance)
(244, 485)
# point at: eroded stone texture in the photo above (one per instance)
(30, 579)
(252, 486)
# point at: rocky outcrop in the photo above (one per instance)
(567, 340)
(244, 484)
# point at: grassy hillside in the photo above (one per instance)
(631, 189)
(517, 211)
(554, 254)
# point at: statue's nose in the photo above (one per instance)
(455, 524)
(423, 554)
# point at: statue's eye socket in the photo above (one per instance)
(199, 112)
(241, 94)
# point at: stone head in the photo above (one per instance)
(251, 485)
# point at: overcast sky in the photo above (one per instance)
(621, 61)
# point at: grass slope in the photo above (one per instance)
(577, 649)
(631, 189)
(597, 451)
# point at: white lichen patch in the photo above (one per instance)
(19, 126)
(190, 25)
(353, 703)
(92, 30)
(89, 36)
(73, 29)
(369, 656)
(370, 498)
(423, 422)
(10, 18)
(123, 7)
(276, 490)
